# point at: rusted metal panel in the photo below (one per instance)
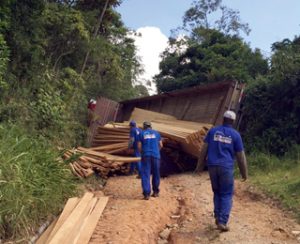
(106, 110)
(205, 103)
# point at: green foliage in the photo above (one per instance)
(200, 16)
(4, 52)
(271, 119)
(279, 177)
(142, 91)
(47, 43)
(210, 56)
(48, 108)
(33, 182)
(66, 34)
(25, 38)
(212, 51)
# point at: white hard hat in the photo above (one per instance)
(230, 115)
(93, 101)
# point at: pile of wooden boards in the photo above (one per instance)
(189, 135)
(109, 151)
(112, 136)
(141, 115)
(84, 161)
(184, 133)
(77, 221)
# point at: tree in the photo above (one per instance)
(142, 91)
(198, 16)
(25, 38)
(211, 51)
(210, 56)
(45, 43)
(271, 110)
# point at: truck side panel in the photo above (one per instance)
(204, 104)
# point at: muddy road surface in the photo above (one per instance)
(183, 214)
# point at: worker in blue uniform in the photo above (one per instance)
(222, 144)
(150, 144)
(133, 143)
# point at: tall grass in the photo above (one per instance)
(33, 182)
(279, 177)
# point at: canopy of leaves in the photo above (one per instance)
(209, 56)
(200, 15)
(272, 105)
(44, 45)
(211, 51)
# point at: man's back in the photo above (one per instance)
(150, 140)
(223, 143)
(135, 133)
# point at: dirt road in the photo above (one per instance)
(183, 214)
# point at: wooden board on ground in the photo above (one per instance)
(43, 238)
(69, 207)
(66, 228)
(70, 238)
(86, 232)
(77, 222)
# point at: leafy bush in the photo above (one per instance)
(34, 183)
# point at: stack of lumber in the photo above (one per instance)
(77, 221)
(141, 115)
(190, 140)
(109, 151)
(84, 161)
(111, 134)
(189, 135)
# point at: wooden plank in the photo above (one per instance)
(108, 156)
(44, 237)
(69, 207)
(111, 146)
(80, 222)
(140, 115)
(73, 218)
(91, 222)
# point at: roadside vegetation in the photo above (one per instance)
(34, 182)
(278, 177)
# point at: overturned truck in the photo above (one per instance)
(197, 106)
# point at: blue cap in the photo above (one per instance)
(132, 123)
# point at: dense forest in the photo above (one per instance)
(57, 54)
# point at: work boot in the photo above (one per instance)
(223, 227)
(146, 197)
(155, 194)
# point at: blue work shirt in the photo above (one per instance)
(150, 143)
(134, 133)
(223, 142)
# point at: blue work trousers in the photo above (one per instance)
(222, 183)
(150, 165)
(137, 165)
